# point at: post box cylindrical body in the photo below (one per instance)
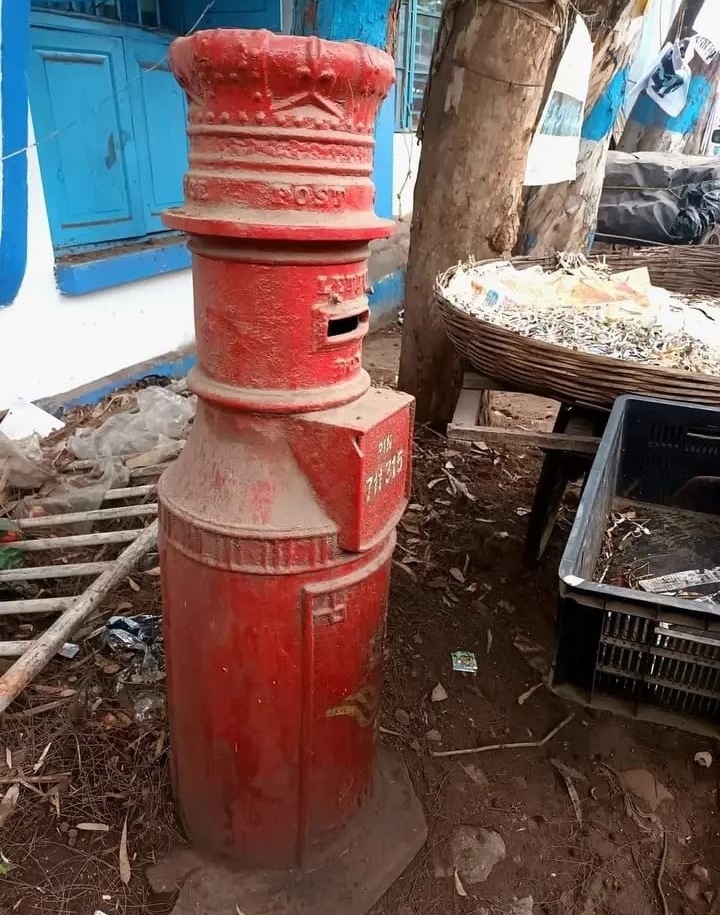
(277, 522)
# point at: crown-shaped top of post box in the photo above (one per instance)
(281, 135)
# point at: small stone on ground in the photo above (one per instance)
(475, 852)
(645, 787)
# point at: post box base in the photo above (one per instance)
(392, 834)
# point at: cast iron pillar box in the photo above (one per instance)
(277, 522)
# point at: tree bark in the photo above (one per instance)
(483, 98)
(562, 217)
(372, 22)
(682, 24)
(649, 129)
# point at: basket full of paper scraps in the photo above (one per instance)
(586, 331)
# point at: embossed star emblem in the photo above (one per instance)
(307, 104)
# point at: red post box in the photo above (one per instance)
(278, 520)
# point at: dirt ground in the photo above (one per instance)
(458, 584)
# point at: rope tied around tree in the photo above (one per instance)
(446, 25)
(536, 17)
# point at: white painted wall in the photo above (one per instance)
(406, 157)
(50, 343)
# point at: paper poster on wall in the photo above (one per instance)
(656, 23)
(705, 48)
(553, 153)
(707, 24)
(669, 82)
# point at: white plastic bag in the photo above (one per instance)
(160, 418)
(21, 463)
(76, 494)
(669, 82)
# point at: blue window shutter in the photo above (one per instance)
(159, 118)
(82, 120)
(236, 14)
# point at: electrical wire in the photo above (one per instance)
(111, 98)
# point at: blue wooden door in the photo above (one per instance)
(84, 125)
(159, 111)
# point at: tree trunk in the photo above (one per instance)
(371, 22)
(483, 98)
(682, 24)
(562, 217)
(650, 129)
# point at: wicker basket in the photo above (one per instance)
(535, 367)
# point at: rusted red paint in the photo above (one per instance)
(278, 520)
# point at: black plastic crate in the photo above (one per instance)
(650, 656)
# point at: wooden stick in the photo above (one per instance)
(35, 779)
(39, 605)
(71, 570)
(39, 709)
(135, 473)
(51, 641)
(76, 540)
(15, 649)
(522, 699)
(168, 454)
(99, 514)
(130, 492)
(522, 745)
(552, 441)
(152, 470)
(661, 871)
(474, 381)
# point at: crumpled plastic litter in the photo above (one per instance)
(77, 494)
(147, 708)
(86, 493)
(21, 463)
(69, 650)
(161, 417)
(141, 634)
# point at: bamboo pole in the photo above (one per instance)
(73, 541)
(40, 573)
(99, 514)
(36, 605)
(49, 643)
(129, 492)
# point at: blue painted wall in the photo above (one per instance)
(13, 100)
(648, 114)
(343, 20)
(596, 127)
(601, 118)
(383, 162)
(366, 21)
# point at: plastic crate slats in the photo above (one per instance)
(650, 684)
(663, 654)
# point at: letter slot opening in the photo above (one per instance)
(339, 327)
